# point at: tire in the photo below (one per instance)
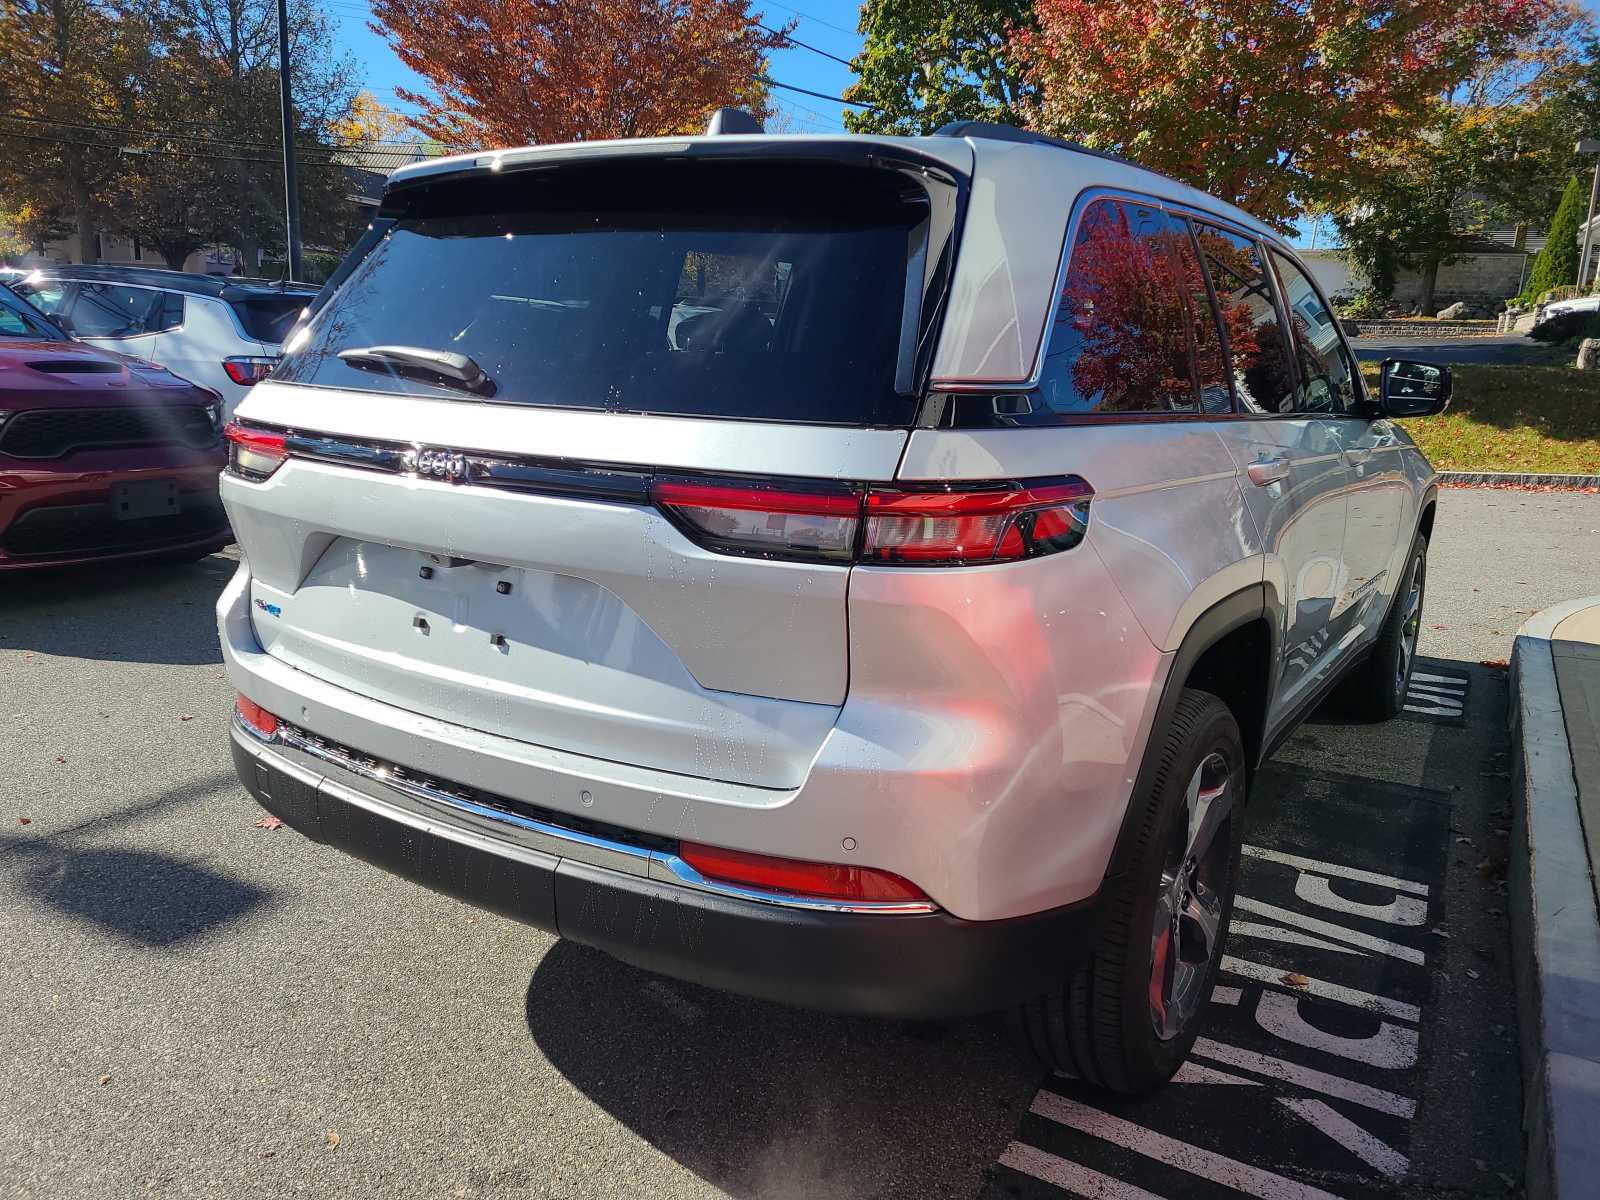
(1109, 1024)
(1376, 690)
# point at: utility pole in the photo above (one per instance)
(1589, 146)
(291, 188)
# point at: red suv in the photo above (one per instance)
(101, 456)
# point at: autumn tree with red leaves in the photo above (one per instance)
(1261, 102)
(514, 72)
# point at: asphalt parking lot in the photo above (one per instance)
(198, 1007)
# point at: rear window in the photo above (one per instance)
(700, 289)
(268, 317)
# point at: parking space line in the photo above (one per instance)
(1275, 933)
(1343, 872)
(1354, 997)
(1196, 1160)
(1328, 929)
(1064, 1173)
(1307, 1077)
(1193, 1072)
(1370, 1150)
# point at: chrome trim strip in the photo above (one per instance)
(660, 865)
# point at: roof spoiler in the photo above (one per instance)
(732, 120)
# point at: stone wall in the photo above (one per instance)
(1481, 279)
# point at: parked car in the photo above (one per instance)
(224, 334)
(902, 638)
(102, 456)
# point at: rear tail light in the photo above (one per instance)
(253, 715)
(902, 526)
(824, 881)
(249, 369)
(254, 453)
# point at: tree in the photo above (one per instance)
(525, 71)
(1557, 264)
(1262, 102)
(929, 62)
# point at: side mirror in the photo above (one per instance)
(1413, 389)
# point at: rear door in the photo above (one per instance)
(1291, 467)
(611, 523)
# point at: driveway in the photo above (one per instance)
(196, 1006)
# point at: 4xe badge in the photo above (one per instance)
(439, 464)
(272, 610)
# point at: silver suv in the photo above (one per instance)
(859, 572)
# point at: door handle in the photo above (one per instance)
(1268, 469)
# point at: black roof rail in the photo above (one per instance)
(994, 131)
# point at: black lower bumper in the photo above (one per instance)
(919, 966)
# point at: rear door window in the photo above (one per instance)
(716, 290)
(1263, 373)
(110, 310)
(1121, 337)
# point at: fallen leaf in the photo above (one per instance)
(1488, 662)
(1438, 932)
(269, 1153)
(269, 822)
(24, 820)
(1471, 974)
(1441, 627)
(187, 717)
(61, 758)
(1294, 979)
(333, 1139)
(104, 1079)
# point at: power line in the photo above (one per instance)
(812, 17)
(771, 82)
(794, 41)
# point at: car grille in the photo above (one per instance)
(70, 529)
(51, 433)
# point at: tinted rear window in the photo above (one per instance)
(701, 289)
(268, 318)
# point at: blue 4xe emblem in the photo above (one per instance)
(271, 609)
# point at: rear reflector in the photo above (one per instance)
(900, 526)
(255, 716)
(254, 453)
(825, 881)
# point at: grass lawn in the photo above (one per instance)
(1519, 418)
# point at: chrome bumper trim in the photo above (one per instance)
(660, 865)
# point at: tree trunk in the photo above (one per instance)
(88, 235)
(175, 256)
(1430, 278)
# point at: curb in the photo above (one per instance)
(1516, 479)
(1555, 928)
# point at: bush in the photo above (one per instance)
(1567, 327)
(1366, 305)
(1557, 264)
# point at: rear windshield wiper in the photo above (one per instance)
(441, 366)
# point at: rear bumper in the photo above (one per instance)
(925, 965)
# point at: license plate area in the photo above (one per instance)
(145, 499)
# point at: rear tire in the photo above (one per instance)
(1128, 1017)
(1376, 690)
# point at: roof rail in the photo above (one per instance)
(994, 131)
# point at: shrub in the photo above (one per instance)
(1567, 327)
(1368, 304)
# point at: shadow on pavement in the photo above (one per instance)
(153, 899)
(142, 612)
(765, 1101)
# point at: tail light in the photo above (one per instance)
(910, 525)
(248, 369)
(254, 453)
(825, 881)
(253, 715)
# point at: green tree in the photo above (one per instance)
(929, 62)
(1557, 264)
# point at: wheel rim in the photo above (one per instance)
(1410, 623)
(1186, 927)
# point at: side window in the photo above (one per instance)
(168, 313)
(1328, 377)
(1210, 362)
(1263, 375)
(46, 297)
(1121, 338)
(109, 311)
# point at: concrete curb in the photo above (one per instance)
(1555, 928)
(1516, 479)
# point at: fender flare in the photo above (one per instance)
(1256, 602)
